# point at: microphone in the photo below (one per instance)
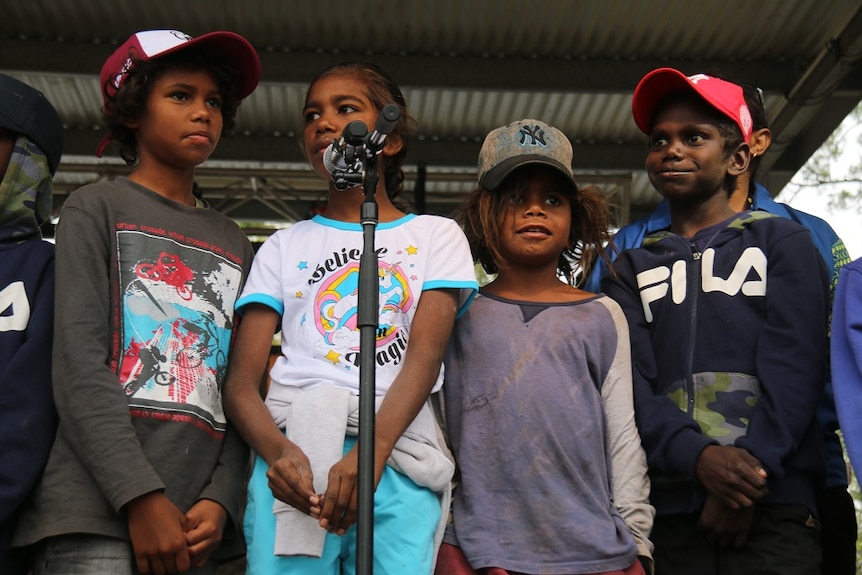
(344, 158)
(343, 155)
(386, 120)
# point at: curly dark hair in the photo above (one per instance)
(590, 231)
(381, 90)
(127, 104)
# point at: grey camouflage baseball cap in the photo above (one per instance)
(520, 143)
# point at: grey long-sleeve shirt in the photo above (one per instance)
(144, 316)
(539, 408)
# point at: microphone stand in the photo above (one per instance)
(367, 320)
(368, 314)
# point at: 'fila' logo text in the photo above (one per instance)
(14, 307)
(654, 284)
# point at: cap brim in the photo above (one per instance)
(651, 90)
(240, 54)
(498, 174)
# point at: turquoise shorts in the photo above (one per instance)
(405, 520)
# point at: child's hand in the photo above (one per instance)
(205, 522)
(731, 474)
(157, 529)
(338, 504)
(290, 480)
(725, 527)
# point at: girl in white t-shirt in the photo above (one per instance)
(302, 494)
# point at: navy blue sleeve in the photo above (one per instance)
(28, 420)
(792, 351)
(847, 358)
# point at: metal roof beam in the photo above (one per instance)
(450, 153)
(816, 103)
(427, 71)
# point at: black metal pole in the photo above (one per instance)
(367, 319)
(419, 188)
(353, 160)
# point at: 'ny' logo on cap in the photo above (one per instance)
(535, 134)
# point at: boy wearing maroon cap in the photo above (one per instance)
(145, 472)
(727, 314)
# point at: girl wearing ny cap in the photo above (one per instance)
(538, 380)
(145, 475)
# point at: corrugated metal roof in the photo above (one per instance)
(465, 68)
(679, 29)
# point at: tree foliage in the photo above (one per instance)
(836, 167)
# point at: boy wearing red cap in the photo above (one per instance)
(145, 472)
(727, 314)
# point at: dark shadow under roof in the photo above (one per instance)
(465, 68)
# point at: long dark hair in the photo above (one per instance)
(589, 233)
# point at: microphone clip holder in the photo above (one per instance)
(352, 144)
(356, 148)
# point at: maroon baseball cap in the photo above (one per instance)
(152, 44)
(724, 96)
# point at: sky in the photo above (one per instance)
(847, 223)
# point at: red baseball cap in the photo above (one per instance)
(724, 96)
(152, 44)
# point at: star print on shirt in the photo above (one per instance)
(412, 250)
(302, 265)
(333, 356)
(298, 295)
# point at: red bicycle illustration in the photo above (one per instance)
(171, 270)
